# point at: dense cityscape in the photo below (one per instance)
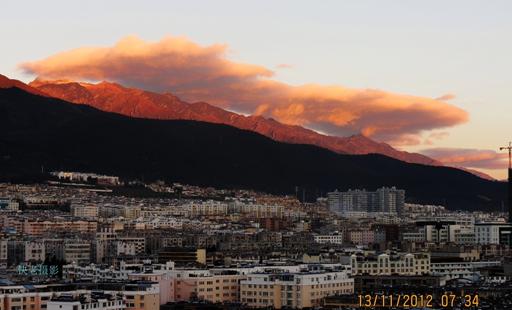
(255, 155)
(87, 241)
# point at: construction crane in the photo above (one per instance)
(509, 148)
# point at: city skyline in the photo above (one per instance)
(66, 243)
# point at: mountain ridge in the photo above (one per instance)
(112, 97)
(6, 82)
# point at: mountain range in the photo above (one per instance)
(112, 97)
(133, 102)
(42, 131)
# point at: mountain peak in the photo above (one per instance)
(108, 84)
(6, 82)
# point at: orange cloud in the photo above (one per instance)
(204, 73)
(470, 158)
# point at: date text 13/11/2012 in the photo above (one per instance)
(412, 301)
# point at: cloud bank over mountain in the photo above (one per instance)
(205, 73)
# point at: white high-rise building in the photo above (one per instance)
(358, 202)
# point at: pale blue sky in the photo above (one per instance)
(424, 48)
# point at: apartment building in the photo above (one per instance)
(18, 297)
(36, 228)
(162, 277)
(86, 211)
(220, 287)
(25, 251)
(366, 236)
(394, 264)
(77, 251)
(467, 270)
(208, 208)
(213, 286)
(257, 211)
(361, 202)
(119, 296)
(142, 296)
(110, 244)
(128, 212)
(335, 238)
(489, 233)
(130, 246)
(11, 224)
(293, 290)
(94, 273)
(8, 204)
(3, 253)
(86, 301)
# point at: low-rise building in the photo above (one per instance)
(335, 238)
(464, 270)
